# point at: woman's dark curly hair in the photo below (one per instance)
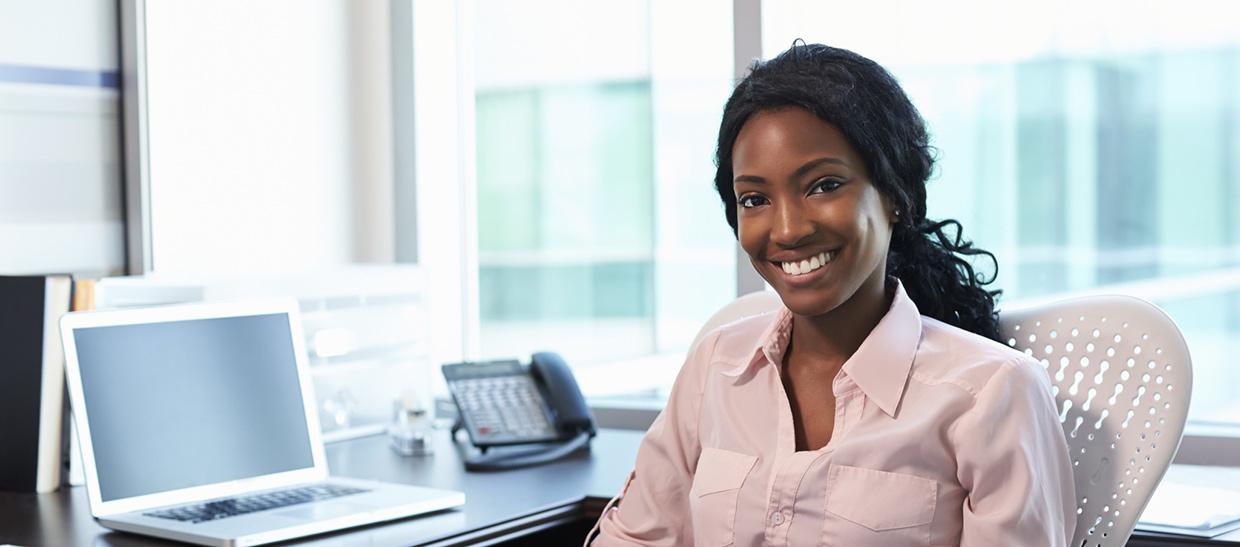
(865, 103)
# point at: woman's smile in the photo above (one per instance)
(801, 269)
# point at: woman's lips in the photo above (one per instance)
(807, 269)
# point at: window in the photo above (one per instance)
(599, 234)
(566, 216)
(1093, 147)
(61, 208)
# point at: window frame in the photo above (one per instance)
(455, 275)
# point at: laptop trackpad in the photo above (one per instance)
(321, 511)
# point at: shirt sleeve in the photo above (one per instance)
(654, 507)
(1013, 460)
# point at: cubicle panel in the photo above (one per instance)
(366, 356)
(366, 331)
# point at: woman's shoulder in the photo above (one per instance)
(738, 339)
(954, 355)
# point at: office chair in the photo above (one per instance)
(1121, 375)
(1122, 378)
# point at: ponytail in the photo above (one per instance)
(931, 263)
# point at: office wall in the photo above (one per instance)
(60, 186)
(274, 151)
(269, 143)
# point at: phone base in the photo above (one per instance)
(503, 458)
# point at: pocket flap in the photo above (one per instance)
(719, 470)
(880, 500)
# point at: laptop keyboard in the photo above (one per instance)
(230, 507)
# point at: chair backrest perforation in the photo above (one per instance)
(1096, 352)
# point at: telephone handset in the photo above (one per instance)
(503, 403)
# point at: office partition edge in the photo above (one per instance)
(746, 48)
(746, 35)
(404, 143)
(138, 259)
(432, 101)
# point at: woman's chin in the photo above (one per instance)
(807, 303)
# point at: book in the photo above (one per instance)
(32, 381)
(75, 474)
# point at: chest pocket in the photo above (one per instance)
(713, 496)
(871, 507)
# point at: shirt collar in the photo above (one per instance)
(770, 346)
(880, 366)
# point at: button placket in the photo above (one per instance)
(783, 497)
(846, 410)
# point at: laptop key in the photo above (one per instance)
(218, 509)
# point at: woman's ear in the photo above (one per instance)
(893, 212)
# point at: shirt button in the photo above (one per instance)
(777, 519)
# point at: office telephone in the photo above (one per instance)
(504, 403)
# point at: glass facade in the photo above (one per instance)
(1084, 157)
(596, 211)
(567, 207)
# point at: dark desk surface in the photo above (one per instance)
(497, 505)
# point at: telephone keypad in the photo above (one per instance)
(502, 409)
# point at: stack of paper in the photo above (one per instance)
(1198, 511)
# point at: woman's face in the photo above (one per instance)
(807, 214)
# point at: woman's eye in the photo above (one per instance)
(825, 185)
(751, 201)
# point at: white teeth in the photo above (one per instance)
(808, 265)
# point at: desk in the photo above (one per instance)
(498, 506)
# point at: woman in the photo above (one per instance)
(875, 408)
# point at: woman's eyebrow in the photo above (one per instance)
(800, 172)
(812, 164)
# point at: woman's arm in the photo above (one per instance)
(1013, 460)
(654, 506)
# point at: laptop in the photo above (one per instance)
(197, 423)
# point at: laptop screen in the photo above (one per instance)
(187, 403)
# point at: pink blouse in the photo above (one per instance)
(941, 437)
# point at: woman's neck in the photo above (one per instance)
(830, 339)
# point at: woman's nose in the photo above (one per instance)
(791, 225)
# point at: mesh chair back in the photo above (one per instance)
(1122, 378)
